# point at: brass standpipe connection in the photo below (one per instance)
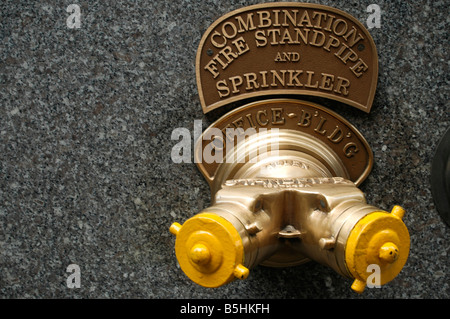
(287, 207)
(287, 193)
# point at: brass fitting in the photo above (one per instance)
(287, 207)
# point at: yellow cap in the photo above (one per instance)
(380, 239)
(209, 250)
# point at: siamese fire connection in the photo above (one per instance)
(286, 207)
(289, 192)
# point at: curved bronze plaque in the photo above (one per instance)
(287, 48)
(288, 114)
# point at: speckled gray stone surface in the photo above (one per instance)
(85, 129)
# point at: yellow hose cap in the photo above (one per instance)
(209, 250)
(380, 239)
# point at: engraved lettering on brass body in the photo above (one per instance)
(286, 183)
(287, 48)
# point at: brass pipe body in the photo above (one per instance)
(286, 205)
(290, 202)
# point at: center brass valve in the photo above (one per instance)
(284, 173)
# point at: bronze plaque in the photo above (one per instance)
(322, 124)
(289, 49)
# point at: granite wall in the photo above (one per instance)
(86, 175)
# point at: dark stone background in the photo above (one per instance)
(85, 129)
